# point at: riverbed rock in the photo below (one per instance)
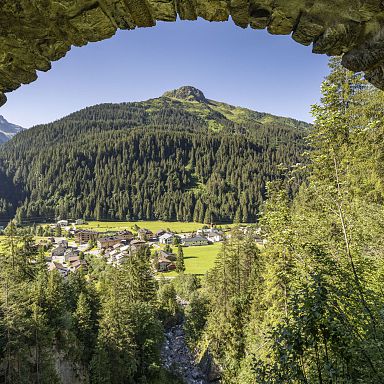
(178, 359)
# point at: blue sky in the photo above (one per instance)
(248, 68)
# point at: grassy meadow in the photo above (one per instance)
(154, 226)
(198, 260)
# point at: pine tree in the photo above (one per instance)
(180, 265)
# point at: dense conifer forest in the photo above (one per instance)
(179, 157)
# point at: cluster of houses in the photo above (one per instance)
(116, 247)
(65, 259)
(118, 253)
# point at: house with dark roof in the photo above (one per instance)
(194, 241)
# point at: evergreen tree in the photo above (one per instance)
(180, 266)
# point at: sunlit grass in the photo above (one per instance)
(154, 226)
(198, 260)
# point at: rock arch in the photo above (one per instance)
(35, 33)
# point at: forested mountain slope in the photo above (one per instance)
(177, 157)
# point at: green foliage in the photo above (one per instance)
(168, 307)
(311, 310)
(180, 266)
(185, 285)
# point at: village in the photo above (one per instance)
(67, 254)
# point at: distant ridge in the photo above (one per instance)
(8, 130)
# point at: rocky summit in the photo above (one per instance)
(187, 93)
(33, 34)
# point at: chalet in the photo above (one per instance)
(166, 238)
(84, 236)
(144, 233)
(59, 251)
(166, 255)
(76, 265)
(106, 242)
(55, 266)
(212, 234)
(163, 265)
(194, 241)
(125, 235)
(135, 245)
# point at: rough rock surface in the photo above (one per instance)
(68, 372)
(178, 359)
(35, 33)
(187, 93)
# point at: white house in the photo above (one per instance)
(215, 237)
(62, 223)
(167, 238)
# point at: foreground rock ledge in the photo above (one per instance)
(35, 33)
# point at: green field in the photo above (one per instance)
(198, 260)
(154, 226)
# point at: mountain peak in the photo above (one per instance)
(8, 130)
(187, 93)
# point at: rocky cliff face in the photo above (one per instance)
(35, 33)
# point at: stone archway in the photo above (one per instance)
(35, 33)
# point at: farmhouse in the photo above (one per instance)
(194, 241)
